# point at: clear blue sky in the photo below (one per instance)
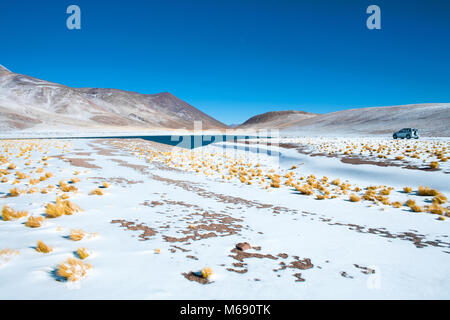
(234, 59)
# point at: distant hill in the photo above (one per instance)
(432, 119)
(275, 119)
(27, 102)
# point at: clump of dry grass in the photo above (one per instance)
(322, 196)
(207, 272)
(73, 269)
(440, 199)
(34, 222)
(354, 198)
(75, 180)
(407, 189)
(43, 248)
(417, 208)
(385, 191)
(336, 182)
(105, 184)
(410, 202)
(97, 192)
(14, 192)
(369, 194)
(426, 191)
(9, 214)
(82, 253)
(437, 209)
(434, 165)
(77, 235)
(305, 189)
(396, 204)
(66, 187)
(61, 207)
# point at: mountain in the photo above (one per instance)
(275, 119)
(30, 103)
(432, 119)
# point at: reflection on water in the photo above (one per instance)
(182, 141)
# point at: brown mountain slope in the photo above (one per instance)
(27, 102)
(275, 119)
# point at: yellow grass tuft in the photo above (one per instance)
(434, 165)
(354, 198)
(416, 208)
(105, 184)
(440, 199)
(34, 222)
(9, 214)
(410, 203)
(336, 182)
(407, 189)
(62, 207)
(305, 189)
(14, 192)
(73, 269)
(43, 248)
(322, 196)
(426, 191)
(77, 235)
(97, 192)
(207, 272)
(437, 209)
(396, 204)
(82, 253)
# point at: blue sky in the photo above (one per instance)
(233, 59)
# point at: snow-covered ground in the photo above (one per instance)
(166, 212)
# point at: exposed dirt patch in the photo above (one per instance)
(140, 168)
(151, 204)
(299, 277)
(241, 255)
(237, 271)
(129, 225)
(82, 162)
(192, 276)
(301, 264)
(364, 270)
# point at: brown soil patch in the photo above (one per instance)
(241, 255)
(191, 276)
(129, 225)
(237, 271)
(364, 270)
(151, 204)
(299, 277)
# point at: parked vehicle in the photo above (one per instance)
(407, 133)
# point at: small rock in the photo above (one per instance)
(243, 246)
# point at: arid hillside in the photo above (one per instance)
(30, 103)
